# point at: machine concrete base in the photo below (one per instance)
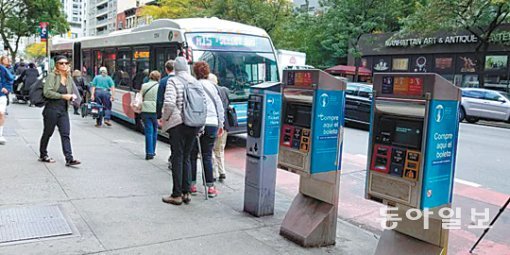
(310, 222)
(393, 242)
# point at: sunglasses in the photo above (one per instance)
(63, 63)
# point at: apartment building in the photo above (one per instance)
(101, 17)
(75, 13)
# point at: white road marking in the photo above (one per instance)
(472, 184)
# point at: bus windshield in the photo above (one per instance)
(239, 71)
(240, 61)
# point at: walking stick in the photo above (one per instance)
(203, 165)
(490, 225)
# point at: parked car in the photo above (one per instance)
(484, 104)
(358, 102)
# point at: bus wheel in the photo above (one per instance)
(139, 123)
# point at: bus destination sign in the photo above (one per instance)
(228, 42)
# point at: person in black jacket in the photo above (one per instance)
(82, 88)
(28, 77)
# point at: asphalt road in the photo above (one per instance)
(483, 154)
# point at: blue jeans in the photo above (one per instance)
(104, 98)
(206, 144)
(150, 124)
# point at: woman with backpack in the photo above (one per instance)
(58, 90)
(213, 128)
(182, 135)
(149, 93)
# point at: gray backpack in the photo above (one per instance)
(194, 108)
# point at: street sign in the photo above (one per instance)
(43, 26)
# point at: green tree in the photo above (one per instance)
(345, 21)
(481, 18)
(302, 33)
(20, 18)
(268, 14)
(177, 9)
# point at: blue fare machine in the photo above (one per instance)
(311, 146)
(411, 162)
(264, 107)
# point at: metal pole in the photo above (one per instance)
(490, 225)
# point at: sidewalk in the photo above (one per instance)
(113, 200)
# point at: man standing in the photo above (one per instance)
(169, 70)
(6, 81)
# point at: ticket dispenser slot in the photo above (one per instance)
(310, 145)
(411, 153)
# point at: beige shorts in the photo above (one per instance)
(3, 104)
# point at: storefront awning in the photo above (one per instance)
(348, 70)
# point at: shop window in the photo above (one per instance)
(496, 63)
(444, 64)
(400, 64)
(381, 64)
(497, 82)
(466, 64)
(421, 64)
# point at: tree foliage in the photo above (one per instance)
(20, 18)
(268, 14)
(36, 50)
(176, 9)
(329, 37)
(481, 18)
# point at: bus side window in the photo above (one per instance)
(141, 63)
(109, 61)
(122, 75)
(87, 71)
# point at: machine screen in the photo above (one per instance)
(408, 133)
(298, 115)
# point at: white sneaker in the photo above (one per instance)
(2, 140)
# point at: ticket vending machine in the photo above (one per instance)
(411, 163)
(311, 146)
(264, 107)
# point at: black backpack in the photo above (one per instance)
(37, 94)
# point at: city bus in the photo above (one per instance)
(240, 55)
